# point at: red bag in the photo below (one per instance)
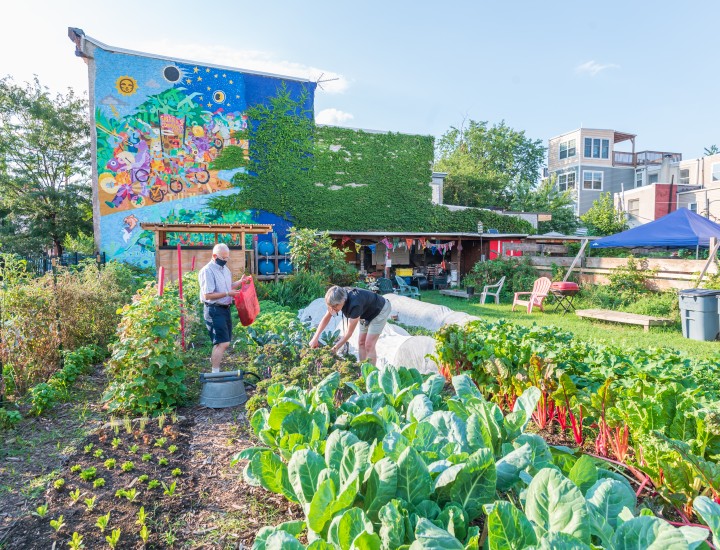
(246, 302)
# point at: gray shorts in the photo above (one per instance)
(376, 325)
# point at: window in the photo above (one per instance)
(592, 180)
(597, 148)
(634, 207)
(638, 179)
(653, 178)
(567, 149)
(692, 207)
(685, 177)
(716, 172)
(566, 181)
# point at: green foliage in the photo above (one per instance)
(44, 147)
(82, 243)
(337, 178)
(632, 279)
(146, 370)
(603, 218)
(315, 253)
(9, 418)
(295, 291)
(547, 198)
(488, 166)
(519, 273)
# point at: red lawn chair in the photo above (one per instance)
(540, 290)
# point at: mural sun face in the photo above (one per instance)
(126, 85)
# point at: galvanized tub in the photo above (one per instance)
(222, 389)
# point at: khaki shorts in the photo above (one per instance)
(376, 325)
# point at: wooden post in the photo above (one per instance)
(192, 264)
(714, 245)
(576, 260)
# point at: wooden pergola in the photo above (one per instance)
(241, 257)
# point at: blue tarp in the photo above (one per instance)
(681, 228)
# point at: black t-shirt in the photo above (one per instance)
(362, 304)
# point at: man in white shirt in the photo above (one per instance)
(217, 292)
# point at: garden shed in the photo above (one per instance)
(242, 256)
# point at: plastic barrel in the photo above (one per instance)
(265, 248)
(285, 266)
(266, 267)
(283, 247)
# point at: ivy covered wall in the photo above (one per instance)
(326, 177)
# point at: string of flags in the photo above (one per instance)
(397, 243)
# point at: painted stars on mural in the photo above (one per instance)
(219, 90)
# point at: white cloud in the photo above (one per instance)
(593, 68)
(332, 116)
(251, 60)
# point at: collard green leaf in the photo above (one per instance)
(419, 408)
(392, 524)
(335, 445)
(303, 471)
(320, 545)
(298, 421)
(555, 504)
(475, 483)
(710, 513)
(325, 391)
(321, 506)
(694, 536)
(452, 518)
(541, 455)
(508, 528)
(465, 387)
(429, 536)
(509, 467)
(368, 426)
(354, 461)
(608, 497)
(584, 473)
(267, 468)
(650, 533)
(352, 523)
(281, 540)
(450, 428)
(394, 444)
(281, 409)
(428, 509)
(367, 541)
(414, 482)
(514, 424)
(294, 528)
(433, 385)
(259, 421)
(527, 402)
(381, 486)
(561, 541)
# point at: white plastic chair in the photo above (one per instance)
(492, 290)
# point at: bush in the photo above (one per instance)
(519, 273)
(296, 291)
(657, 304)
(633, 279)
(8, 418)
(146, 368)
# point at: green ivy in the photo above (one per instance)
(325, 177)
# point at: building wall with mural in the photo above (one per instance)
(169, 135)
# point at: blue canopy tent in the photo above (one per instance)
(678, 229)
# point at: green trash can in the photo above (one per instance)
(699, 313)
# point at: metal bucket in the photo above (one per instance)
(222, 389)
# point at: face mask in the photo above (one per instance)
(220, 262)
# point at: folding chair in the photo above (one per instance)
(492, 290)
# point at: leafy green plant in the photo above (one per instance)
(102, 522)
(76, 542)
(114, 538)
(99, 482)
(88, 448)
(172, 448)
(58, 523)
(41, 510)
(144, 533)
(98, 453)
(8, 418)
(177, 472)
(128, 466)
(59, 484)
(143, 478)
(153, 483)
(146, 457)
(169, 490)
(90, 503)
(75, 468)
(160, 442)
(162, 461)
(110, 463)
(146, 367)
(133, 449)
(115, 442)
(74, 495)
(161, 420)
(141, 516)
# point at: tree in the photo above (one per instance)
(44, 167)
(547, 198)
(603, 218)
(488, 166)
(712, 150)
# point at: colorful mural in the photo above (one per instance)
(169, 135)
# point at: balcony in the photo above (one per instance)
(643, 158)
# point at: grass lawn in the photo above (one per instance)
(629, 336)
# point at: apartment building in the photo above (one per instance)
(592, 161)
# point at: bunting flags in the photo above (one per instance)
(345, 239)
(372, 248)
(409, 243)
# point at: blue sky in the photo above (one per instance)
(421, 67)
